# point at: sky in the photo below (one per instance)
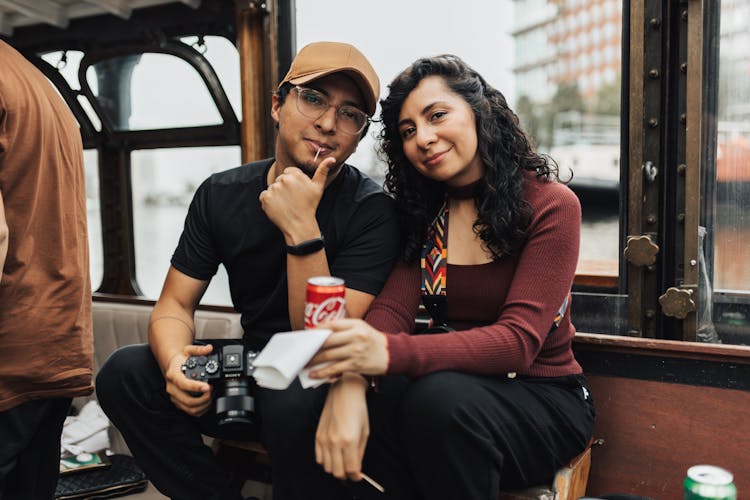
(393, 33)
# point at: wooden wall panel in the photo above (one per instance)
(654, 431)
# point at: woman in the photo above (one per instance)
(495, 398)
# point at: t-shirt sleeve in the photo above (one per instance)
(196, 254)
(370, 246)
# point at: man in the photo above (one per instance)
(273, 224)
(45, 293)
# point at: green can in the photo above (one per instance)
(708, 482)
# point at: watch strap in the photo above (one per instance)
(306, 247)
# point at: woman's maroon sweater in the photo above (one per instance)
(504, 311)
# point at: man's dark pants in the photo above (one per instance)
(30, 449)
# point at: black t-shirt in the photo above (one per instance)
(226, 225)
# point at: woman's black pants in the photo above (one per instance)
(445, 435)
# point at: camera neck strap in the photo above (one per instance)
(434, 264)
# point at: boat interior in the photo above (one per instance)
(665, 398)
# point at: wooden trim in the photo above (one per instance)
(597, 273)
(664, 348)
(671, 361)
(140, 301)
(635, 160)
(694, 109)
(250, 45)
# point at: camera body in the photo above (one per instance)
(229, 368)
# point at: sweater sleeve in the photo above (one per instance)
(395, 308)
(542, 280)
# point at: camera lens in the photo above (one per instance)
(235, 405)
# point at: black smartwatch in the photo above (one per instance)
(306, 247)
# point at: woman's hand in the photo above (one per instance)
(354, 346)
(191, 396)
(343, 428)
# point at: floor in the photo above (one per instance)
(259, 490)
(150, 494)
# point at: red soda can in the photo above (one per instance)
(324, 300)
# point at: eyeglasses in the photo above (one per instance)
(314, 104)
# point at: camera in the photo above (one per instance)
(229, 368)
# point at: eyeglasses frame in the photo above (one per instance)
(299, 90)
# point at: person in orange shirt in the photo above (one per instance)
(46, 343)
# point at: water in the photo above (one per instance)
(600, 234)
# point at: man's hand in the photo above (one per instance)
(354, 346)
(191, 396)
(291, 201)
(343, 428)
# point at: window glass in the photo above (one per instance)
(224, 58)
(67, 63)
(730, 276)
(164, 181)
(731, 252)
(577, 121)
(86, 105)
(165, 92)
(96, 250)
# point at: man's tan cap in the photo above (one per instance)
(319, 59)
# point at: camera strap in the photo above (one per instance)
(434, 264)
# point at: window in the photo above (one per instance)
(161, 91)
(164, 181)
(731, 205)
(165, 92)
(96, 259)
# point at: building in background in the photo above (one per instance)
(734, 65)
(567, 74)
(563, 42)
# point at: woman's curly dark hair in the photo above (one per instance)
(503, 214)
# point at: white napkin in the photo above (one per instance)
(285, 357)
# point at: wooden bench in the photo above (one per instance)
(569, 482)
